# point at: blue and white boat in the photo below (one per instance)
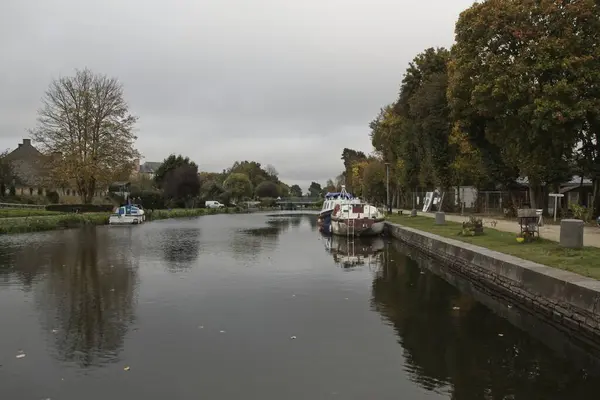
(129, 214)
(329, 203)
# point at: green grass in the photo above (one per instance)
(50, 222)
(25, 212)
(585, 261)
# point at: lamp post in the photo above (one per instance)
(387, 178)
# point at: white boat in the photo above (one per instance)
(356, 219)
(129, 214)
(353, 252)
(329, 203)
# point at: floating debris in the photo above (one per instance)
(509, 306)
(455, 308)
(54, 330)
(126, 369)
(21, 354)
(221, 331)
(501, 334)
(346, 298)
(201, 327)
(293, 337)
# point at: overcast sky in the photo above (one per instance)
(283, 82)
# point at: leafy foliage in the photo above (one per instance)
(85, 125)
(267, 189)
(238, 185)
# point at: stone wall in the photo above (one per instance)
(570, 302)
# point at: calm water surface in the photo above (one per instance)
(256, 307)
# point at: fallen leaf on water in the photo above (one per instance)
(126, 369)
(456, 308)
(21, 355)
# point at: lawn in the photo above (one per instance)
(584, 262)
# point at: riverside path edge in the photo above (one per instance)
(567, 300)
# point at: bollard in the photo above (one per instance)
(413, 213)
(571, 233)
(440, 218)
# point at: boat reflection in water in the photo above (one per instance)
(351, 252)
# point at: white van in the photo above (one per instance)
(213, 204)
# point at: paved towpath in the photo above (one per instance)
(591, 234)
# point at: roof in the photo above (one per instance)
(150, 167)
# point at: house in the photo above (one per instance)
(149, 168)
(28, 165)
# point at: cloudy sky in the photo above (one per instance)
(283, 82)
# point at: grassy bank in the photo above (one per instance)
(50, 222)
(584, 262)
(25, 212)
(53, 221)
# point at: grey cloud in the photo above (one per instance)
(282, 82)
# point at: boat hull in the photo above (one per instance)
(357, 226)
(116, 219)
(324, 221)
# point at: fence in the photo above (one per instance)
(468, 201)
(17, 205)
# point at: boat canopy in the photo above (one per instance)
(338, 195)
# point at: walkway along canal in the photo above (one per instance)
(261, 307)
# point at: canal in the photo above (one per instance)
(259, 307)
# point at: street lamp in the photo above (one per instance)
(387, 178)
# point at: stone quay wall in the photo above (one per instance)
(570, 302)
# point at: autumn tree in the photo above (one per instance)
(374, 181)
(529, 70)
(84, 122)
(350, 158)
(238, 185)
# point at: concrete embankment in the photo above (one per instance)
(569, 302)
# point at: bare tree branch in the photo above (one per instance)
(85, 128)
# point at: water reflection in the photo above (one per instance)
(250, 242)
(352, 252)
(453, 343)
(181, 247)
(86, 296)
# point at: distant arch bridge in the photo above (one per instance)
(298, 201)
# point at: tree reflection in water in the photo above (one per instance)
(88, 295)
(450, 340)
(250, 242)
(181, 247)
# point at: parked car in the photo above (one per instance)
(213, 204)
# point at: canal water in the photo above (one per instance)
(258, 307)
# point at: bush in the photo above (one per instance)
(472, 227)
(82, 208)
(52, 196)
(581, 212)
(268, 202)
(149, 199)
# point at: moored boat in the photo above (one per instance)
(129, 214)
(329, 203)
(357, 219)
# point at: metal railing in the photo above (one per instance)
(299, 200)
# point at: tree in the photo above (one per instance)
(267, 189)
(253, 171)
(7, 175)
(315, 189)
(295, 191)
(84, 122)
(530, 70)
(238, 185)
(182, 184)
(350, 157)
(272, 172)
(374, 181)
(169, 164)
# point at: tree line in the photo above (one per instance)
(178, 182)
(517, 96)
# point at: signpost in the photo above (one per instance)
(556, 196)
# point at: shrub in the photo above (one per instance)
(581, 212)
(149, 199)
(52, 196)
(82, 208)
(472, 227)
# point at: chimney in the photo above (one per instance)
(26, 142)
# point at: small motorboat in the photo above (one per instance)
(129, 214)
